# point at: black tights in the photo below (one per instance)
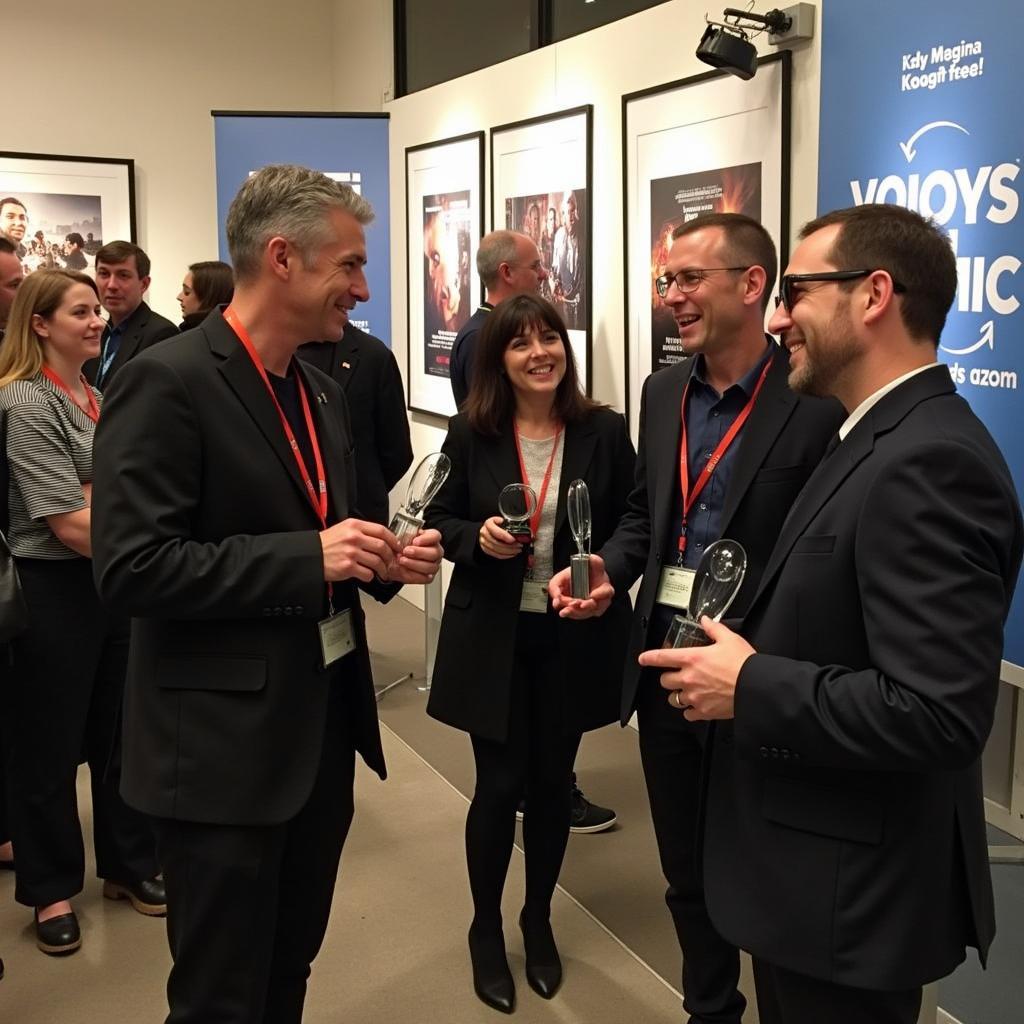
(534, 762)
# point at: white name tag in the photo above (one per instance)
(337, 636)
(535, 596)
(674, 587)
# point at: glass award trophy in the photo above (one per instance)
(715, 585)
(426, 481)
(578, 505)
(517, 503)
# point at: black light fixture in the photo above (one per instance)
(726, 44)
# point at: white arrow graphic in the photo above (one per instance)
(908, 147)
(988, 337)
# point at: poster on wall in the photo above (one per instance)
(59, 210)
(706, 144)
(444, 206)
(541, 185)
(351, 148)
(933, 131)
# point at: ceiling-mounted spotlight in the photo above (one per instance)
(726, 44)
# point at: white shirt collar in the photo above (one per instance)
(862, 410)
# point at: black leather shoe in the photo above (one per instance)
(7, 865)
(147, 897)
(59, 935)
(543, 964)
(492, 980)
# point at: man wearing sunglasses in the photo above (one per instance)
(724, 421)
(844, 831)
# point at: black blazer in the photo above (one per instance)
(203, 532)
(472, 673)
(782, 442)
(845, 830)
(367, 371)
(142, 329)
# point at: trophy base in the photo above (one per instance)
(684, 632)
(579, 572)
(405, 527)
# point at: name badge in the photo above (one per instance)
(535, 596)
(674, 587)
(337, 636)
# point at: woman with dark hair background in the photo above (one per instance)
(522, 682)
(206, 284)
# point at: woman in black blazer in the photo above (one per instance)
(523, 683)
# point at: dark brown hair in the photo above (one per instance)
(746, 243)
(491, 402)
(121, 252)
(213, 282)
(913, 251)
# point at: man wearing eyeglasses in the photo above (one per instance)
(844, 836)
(724, 449)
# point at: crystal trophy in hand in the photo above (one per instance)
(715, 585)
(517, 503)
(578, 506)
(426, 481)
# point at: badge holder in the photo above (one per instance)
(716, 584)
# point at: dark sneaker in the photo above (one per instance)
(588, 817)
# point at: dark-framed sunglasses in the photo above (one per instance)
(688, 280)
(789, 284)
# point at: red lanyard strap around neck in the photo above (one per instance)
(93, 412)
(317, 495)
(689, 497)
(538, 511)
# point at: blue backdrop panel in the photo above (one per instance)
(920, 107)
(341, 145)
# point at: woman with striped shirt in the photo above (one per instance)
(63, 701)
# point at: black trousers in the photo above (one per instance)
(785, 997)
(535, 761)
(63, 707)
(671, 749)
(5, 675)
(248, 905)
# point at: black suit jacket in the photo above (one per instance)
(367, 371)
(473, 671)
(203, 532)
(142, 329)
(782, 442)
(845, 831)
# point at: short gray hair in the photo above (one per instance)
(496, 248)
(290, 201)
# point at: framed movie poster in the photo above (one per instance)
(541, 184)
(59, 210)
(710, 143)
(444, 188)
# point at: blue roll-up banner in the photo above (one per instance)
(349, 147)
(920, 107)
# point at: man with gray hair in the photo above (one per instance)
(508, 263)
(224, 524)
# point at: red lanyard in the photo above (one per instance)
(317, 496)
(535, 518)
(93, 412)
(689, 497)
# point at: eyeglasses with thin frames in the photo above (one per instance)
(688, 280)
(789, 284)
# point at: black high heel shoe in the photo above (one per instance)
(543, 964)
(492, 980)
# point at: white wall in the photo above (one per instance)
(651, 48)
(139, 80)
